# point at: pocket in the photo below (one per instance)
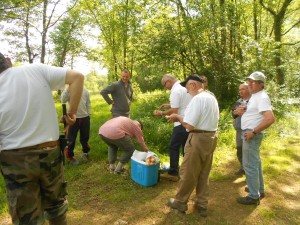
(189, 140)
(208, 143)
(12, 203)
(63, 190)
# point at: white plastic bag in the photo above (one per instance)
(142, 156)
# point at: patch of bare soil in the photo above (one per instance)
(281, 206)
(147, 206)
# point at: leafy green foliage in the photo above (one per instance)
(67, 38)
(94, 82)
(157, 131)
(226, 41)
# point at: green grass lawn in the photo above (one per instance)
(97, 197)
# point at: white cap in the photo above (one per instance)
(258, 76)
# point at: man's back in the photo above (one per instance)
(84, 107)
(27, 114)
(203, 112)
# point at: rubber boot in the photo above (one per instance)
(60, 220)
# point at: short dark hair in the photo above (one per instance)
(126, 71)
(3, 63)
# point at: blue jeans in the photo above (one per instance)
(252, 165)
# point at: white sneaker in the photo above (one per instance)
(73, 161)
(85, 157)
(122, 171)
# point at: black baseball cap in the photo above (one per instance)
(192, 77)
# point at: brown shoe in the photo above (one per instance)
(177, 205)
(201, 210)
(169, 177)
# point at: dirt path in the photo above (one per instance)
(281, 206)
(146, 205)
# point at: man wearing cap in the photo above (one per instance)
(30, 156)
(201, 120)
(255, 120)
(179, 99)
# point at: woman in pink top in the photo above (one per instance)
(118, 133)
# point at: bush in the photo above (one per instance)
(157, 131)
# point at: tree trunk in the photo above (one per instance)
(44, 32)
(125, 34)
(278, 16)
(256, 34)
(28, 49)
(278, 20)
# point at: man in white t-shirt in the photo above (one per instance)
(30, 156)
(255, 120)
(179, 99)
(201, 120)
(82, 125)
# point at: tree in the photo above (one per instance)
(117, 21)
(67, 37)
(27, 26)
(225, 40)
(280, 15)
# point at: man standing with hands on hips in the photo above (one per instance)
(257, 117)
(201, 120)
(121, 93)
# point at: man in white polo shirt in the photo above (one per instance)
(201, 120)
(256, 118)
(179, 99)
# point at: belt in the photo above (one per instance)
(48, 144)
(201, 131)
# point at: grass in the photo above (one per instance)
(97, 197)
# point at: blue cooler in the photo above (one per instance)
(143, 174)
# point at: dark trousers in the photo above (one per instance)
(83, 126)
(178, 139)
(239, 146)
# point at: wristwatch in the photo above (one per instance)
(254, 132)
